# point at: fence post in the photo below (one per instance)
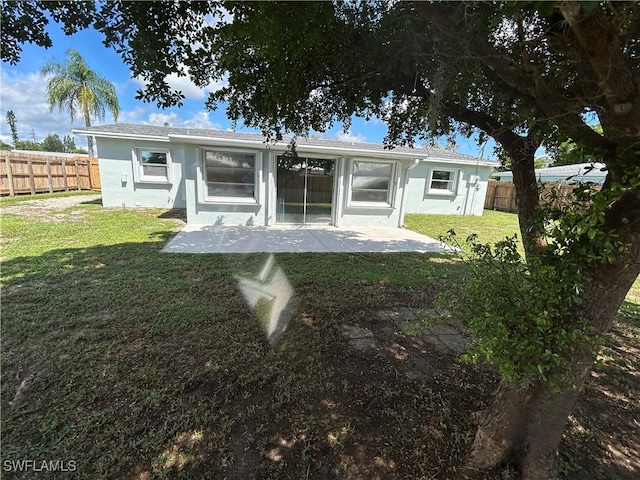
(75, 162)
(12, 191)
(49, 177)
(63, 162)
(494, 194)
(32, 180)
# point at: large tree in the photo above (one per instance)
(526, 74)
(76, 89)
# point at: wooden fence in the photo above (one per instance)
(502, 195)
(31, 173)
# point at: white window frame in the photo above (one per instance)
(390, 192)
(452, 182)
(203, 196)
(138, 172)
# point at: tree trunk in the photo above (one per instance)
(524, 426)
(87, 122)
(522, 153)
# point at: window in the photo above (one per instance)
(152, 166)
(442, 182)
(229, 176)
(371, 183)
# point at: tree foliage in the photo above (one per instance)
(28, 145)
(74, 88)
(569, 152)
(52, 143)
(12, 121)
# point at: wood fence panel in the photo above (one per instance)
(37, 173)
(94, 176)
(502, 195)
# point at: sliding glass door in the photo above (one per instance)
(304, 190)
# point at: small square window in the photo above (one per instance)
(152, 166)
(442, 182)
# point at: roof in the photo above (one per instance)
(592, 171)
(303, 144)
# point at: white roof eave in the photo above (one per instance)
(282, 147)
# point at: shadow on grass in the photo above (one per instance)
(136, 364)
(176, 213)
(97, 201)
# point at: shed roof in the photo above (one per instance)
(309, 144)
(591, 171)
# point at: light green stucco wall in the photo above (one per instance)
(468, 200)
(119, 189)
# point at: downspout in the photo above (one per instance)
(476, 183)
(471, 186)
(403, 201)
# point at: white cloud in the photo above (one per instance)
(132, 116)
(24, 93)
(350, 137)
(170, 118)
(199, 120)
(186, 86)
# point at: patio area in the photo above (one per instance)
(299, 238)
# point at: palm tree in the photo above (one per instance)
(77, 89)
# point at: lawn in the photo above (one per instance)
(119, 361)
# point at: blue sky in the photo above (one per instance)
(23, 91)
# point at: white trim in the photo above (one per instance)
(270, 163)
(405, 189)
(138, 173)
(453, 183)
(201, 187)
(255, 140)
(390, 192)
(338, 191)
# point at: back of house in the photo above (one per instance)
(230, 178)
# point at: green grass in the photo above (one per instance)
(491, 227)
(140, 364)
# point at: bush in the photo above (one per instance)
(522, 315)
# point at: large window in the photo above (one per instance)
(371, 183)
(442, 182)
(229, 176)
(152, 165)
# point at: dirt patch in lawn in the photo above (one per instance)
(54, 209)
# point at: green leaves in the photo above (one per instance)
(73, 87)
(525, 318)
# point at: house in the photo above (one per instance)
(580, 172)
(230, 178)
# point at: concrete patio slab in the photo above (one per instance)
(299, 238)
